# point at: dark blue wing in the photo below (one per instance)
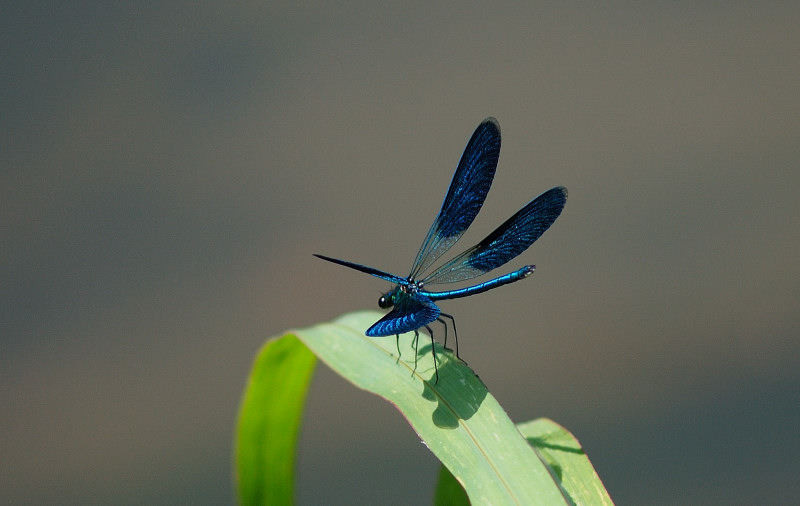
(410, 312)
(363, 268)
(468, 189)
(506, 242)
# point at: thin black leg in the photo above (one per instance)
(416, 346)
(433, 352)
(455, 331)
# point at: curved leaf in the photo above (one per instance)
(457, 417)
(449, 491)
(269, 422)
(566, 460)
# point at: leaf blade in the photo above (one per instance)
(449, 491)
(458, 419)
(567, 461)
(269, 421)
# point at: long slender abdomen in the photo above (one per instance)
(482, 287)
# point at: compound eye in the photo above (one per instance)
(385, 302)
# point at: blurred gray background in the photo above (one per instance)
(169, 168)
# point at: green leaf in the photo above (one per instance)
(449, 491)
(269, 421)
(458, 419)
(566, 460)
(564, 456)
